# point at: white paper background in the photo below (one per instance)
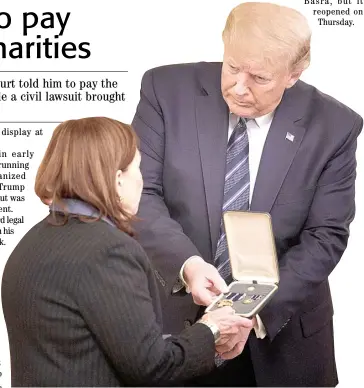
(137, 35)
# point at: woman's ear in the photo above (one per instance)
(119, 180)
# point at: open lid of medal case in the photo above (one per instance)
(251, 246)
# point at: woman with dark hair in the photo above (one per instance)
(80, 297)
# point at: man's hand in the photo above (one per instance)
(203, 280)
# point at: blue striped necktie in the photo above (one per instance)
(236, 189)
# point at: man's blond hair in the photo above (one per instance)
(269, 32)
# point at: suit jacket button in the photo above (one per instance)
(188, 323)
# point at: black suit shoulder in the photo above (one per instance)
(326, 105)
(90, 240)
(172, 81)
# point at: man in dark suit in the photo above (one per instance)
(247, 134)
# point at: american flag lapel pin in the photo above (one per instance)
(289, 136)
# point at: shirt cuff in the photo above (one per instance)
(181, 278)
(259, 328)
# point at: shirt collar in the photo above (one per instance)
(264, 120)
(260, 121)
(77, 206)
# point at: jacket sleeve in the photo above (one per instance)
(161, 236)
(115, 301)
(323, 238)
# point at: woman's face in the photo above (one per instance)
(129, 184)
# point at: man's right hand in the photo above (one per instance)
(203, 280)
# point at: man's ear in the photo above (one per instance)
(293, 78)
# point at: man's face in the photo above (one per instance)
(251, 89)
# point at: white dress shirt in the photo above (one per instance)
(257, 133)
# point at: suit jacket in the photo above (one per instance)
(307, 185)
(82, 308)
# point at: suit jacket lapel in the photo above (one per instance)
(212, 128)
(277, 157)
(279, 151)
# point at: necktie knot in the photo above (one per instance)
(238, 131)
(242, 122)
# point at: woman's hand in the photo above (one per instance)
(234, 331)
